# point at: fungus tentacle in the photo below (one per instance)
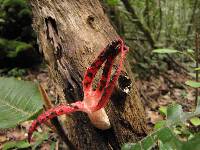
(105, 78)
(93, 100)
(96, 65)
(109, 88)
(53, 112)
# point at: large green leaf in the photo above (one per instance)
(19, 101)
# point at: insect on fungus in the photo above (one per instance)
(94, 100)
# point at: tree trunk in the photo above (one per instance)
(71, 33)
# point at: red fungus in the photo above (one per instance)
(94, 100)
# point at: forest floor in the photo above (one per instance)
(157, 92)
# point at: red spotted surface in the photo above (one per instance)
(93, 99)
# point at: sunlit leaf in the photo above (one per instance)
(190, 51)
(163, 110)
(195, 121)
(196, 69)
(193, 84)
(165, 51)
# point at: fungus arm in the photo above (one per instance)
(110, 86)
(96, 65)
(53, 112)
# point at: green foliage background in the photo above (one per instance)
(17, 39)
(170, 24)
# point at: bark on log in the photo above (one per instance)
(71, 33)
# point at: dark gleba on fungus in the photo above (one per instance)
(94, 100)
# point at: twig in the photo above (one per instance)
(45, 98)
(55, 121)
(161, 21)
(197, 65)
(146, 13)
(57, 145)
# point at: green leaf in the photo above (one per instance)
(112, 2)
(178, 130)
(166, 141)
(174, 113)
(40, 137)
(53, 145)
(192, 144)
(16, 144)
(12, 47)
(193, 84)
(19, 100)
(163, 110)
(165, 135)
(163, 146)
(165, 51)
(197, 69)
(190, 51)
(2, 20)
(131, 146)
(147, 143)
(160, 124)
(195, 121)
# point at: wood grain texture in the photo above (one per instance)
(71, 33)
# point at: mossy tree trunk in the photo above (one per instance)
(71, 34)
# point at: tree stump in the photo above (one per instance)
(71, 33)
